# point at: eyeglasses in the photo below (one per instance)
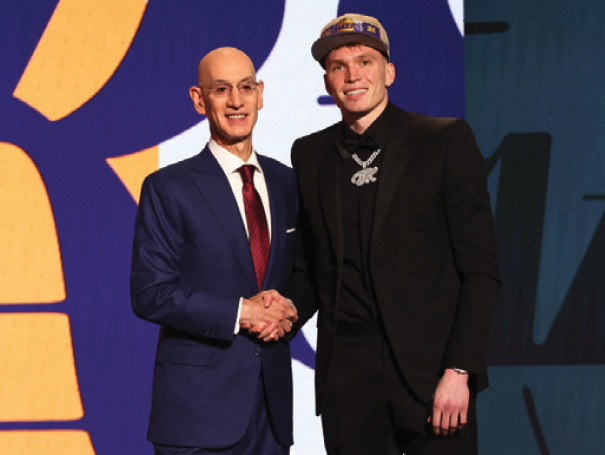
(223, 89)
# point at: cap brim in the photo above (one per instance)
(322, 47)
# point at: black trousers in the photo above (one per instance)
(370, 410)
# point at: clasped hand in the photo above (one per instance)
(268, 315)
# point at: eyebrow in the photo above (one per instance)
(223, 81)
(357, 57)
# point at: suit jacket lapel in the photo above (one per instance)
(394, 163)
(215, 188)
(329, 193)
(278, 215)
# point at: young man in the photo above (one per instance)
(210, 231)
(397, 253)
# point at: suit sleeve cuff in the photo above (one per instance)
(239, 310)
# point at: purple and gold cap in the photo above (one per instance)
(351, 29)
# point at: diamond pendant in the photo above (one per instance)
(364, 176)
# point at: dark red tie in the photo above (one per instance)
(257, 224)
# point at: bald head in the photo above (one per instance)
(220, 60)
(230, 97)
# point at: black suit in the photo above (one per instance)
(432, 251)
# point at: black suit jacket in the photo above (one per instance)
(432, 254)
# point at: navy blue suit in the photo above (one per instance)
(191, 265)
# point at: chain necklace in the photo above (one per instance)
(365, 175)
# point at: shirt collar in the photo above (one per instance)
(379, 128)
(229, 162)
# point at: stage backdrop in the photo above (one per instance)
(535, 96)
(93, 97)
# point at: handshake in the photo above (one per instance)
(268, 315)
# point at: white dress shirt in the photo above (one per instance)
(230, 163)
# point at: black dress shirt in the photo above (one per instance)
(357, 302)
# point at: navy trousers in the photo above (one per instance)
(259, 438)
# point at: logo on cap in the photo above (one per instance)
(349, 25)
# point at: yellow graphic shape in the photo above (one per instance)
(30, 266)
(82, 46)
(50, 442)
(38, 379)
(132, 169)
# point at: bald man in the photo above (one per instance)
(213, 247)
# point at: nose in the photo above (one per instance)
(353, 74)
(235, 99)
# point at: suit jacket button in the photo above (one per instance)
(257, 352)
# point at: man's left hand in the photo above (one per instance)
(450, 403)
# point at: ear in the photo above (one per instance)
(389, 74)
(261, 90)
(198, 101)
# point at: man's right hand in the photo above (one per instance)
(268, 315)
